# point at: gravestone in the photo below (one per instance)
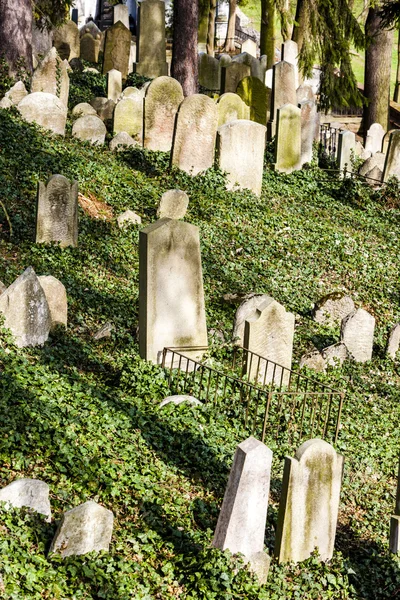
(240, 151)
(373, 167)
(16, 93)
(177, 400)
(132, 92)
(256, 68)
(56, 296)
(374, 139)
(232, 74)
(308, 116)
(231, 108)
(89, 129)
(304, 93)
(243, 516)
(104, 108)
(357, 333)
(90, 27)
(246, 310)
(288, 139)
(90, 48)
(51, 77)
(257, 97)
(209, 72)
(332, 309)
(289, 53)
(83, 109)
(173, 204)
(128, 218)
(121, 13)
(151, 50)
(32, 493)
(114, 84)
(117, 48)
(394, 543)
(283, 91)
(335, 355)
(171, 295)
(249, 46)
(392, 163)
(57, 211)
(269, 333)
(26, 311)
(121, 141)
(195, 134)
(128, 117)
(393, 341)
(313, 360)
(68, 34)
(46, 110)
(161, 103)
(346, 147)
(86, 528)
(309, 504)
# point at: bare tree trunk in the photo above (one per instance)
(184, 53)
(230, 33)
(396, 96)
(16, 21)
(211, 27)
(204, 10)
(378, 62)
(267, 41)
(300, 23)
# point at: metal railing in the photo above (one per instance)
(328, 141)
(269, 399)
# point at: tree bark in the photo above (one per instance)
(16, 20)
(230, 32)
(204, 10)
(267, 41)
(300, 23)
(378, 62)
(184, 52)
(211, 27)
(396, 96)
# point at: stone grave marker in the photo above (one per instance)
(57, 211)
(171, 295)
(195, 134)
(332, 309)
(151, 50)
(117, 48)
(122, 140)
(46, 110)
(304, 93)
(243, 516)
(90, 27)
(82, 109)
(288, 139)
(308, 116)
(346, 147)
(357, 333)
(248, 308)
(256, 68)
(26, 311)
(114, 84)
(313, 360)
(373, 167)
(257, 97)
(128, 217)
(249, 46)
(283, 91)
(231, 108)
(90, 48)
(232, 74)
(31, 493)
(51, 77)
(161, 103)
(209, 72)
(121, 13)
(374, 139)
(89, 129)
(68, 34)
(173, 204)
(394, 543)
(309, 504)
(392, 163)
(16, 93)
(128, 117)
(335, 355)
(289, 53)
(104, 108)
(269, 333)
(393, 342)
(56, 296)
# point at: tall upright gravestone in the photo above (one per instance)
(347, 143)
(288, 139)
(308, 117)
(171, 295)
(51, 77)
(283, 91)
(257, 97)
(68, 34)
(232, 74)
(117, 49)
(90, 48)
(161, 103)
(57, 211)
(151, 50)
(392, 163)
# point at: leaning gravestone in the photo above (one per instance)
(151, 50)
(104, 108)
(128, 117)
(90, 48)
(269, 333)
(309, 505)
(32, 493)
(332, 309)
(161, 103)
(335, 355)
(51, 77)
(246, 310)
(89, 129)
(257, 97)
(173, 205)
(392, 164)
(56, 296)
(114, 84)
(46, 110)
(243, 516)
(373, 167)
(394, 544)
(16, 93)
(231, 108)
(26, 311)
(171, 295)
(304, 93)
(86, 528)
(288, 139)
(283, 91)
(357, 333)
(68, 34)
(374, 139)
(308, 117)
(117, 48)
(57, 211)
(393, 342)
(231, 75)
(209, 72)
(195, 134)
(241, 147)
(346, 147)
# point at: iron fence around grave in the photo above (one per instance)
(328, 141)
(269, 399)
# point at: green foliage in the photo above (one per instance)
(7, 80)
(84, 86)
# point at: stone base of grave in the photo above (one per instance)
(394, 544)
(259, 563)
(151, 69)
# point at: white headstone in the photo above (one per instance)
(357, 333)
(346, 147)
(114, 84)
(375, 135)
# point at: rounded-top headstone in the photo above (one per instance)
(357, 333)
(332, 308)
(56, 296)
(44, 109)
(247, 309)
(104, 107)
(17, 93)
(121, 141)
(90, 128)
(173, 204)
(83, 109)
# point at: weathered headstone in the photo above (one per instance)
(232, 74)
(209, 72)
(304, 93)
(289, 53)
(68, 34)
(394, 543)
(132, 92)
(332, 309)
(90, 48)
(26, 311)
(243, 516)
(161, 103)
(247, 309)
(249, 46)
(309, 505)
(83, 109)
(89, 27)
(173, 204)
(121, 141)
(392, 163)
(257, 97)
(283, 91)
(151, 50)
(393, 342)
(313, 360)
(90, 129)
(374, 139)
(128, 218)
(51, 77)
(231, 108)
(357, 333)
(86, 528)
(104, 108)
(373, 167)
(269, 334)
(335, 355)
(104, 332)
(171, 295)
(57, 211)
(240, 149)
(288, 139)
(31, 493)
(128, 117)
(121, 13)
(346, 146)
(16, 93)
(308, 116)
(256, 68)
(114, 84)
(56, 296)
(177, 400)
(46, 110)
(117, 48)
(195, 134)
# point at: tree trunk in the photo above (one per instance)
(300, 23)
(184, 53)
(396, 96)
(267, 41)
(204, 10)
(378, 62)
(16, 21)
(211, 27)
(230, 32)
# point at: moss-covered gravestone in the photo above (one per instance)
(209, 72)
(288, 139)
(117, 49)
(232, 74)
(57, 211)
(68, 34)
(151, 57)
(231, 108)
(309, 504)
(90, 48)
(46, 110)
(161, 103)
(128, 117)
(257, 97)
(392, 163)
(357, 333)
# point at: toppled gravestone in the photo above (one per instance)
(332, 308)
(31, 493)
(128, 218)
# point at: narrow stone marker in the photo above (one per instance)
(51, 77)
(288, 139)
(283, 91)
(392, 164)
(209, 71)
(308, 116)
(90, 48)
(173, 204)
(374, 139)
(357, 333)
(309, 504)
(394, 542)
(243, 516)
(246, 310)
(117, 49)
(161, 103)
(346, 147)
(393, 342)
(114, 84)
(83, 529)
(151, 50)
(257, 97)
(57, 211)
(56, 296)
(31, 493)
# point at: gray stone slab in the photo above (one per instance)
(332, 308)
(161, 103)
(57, 211)
(151, 50)
(357, 333)
(31, 493)
(393, 342)
(173, 204)
(89, 129)
(56, 296)
(46, 110)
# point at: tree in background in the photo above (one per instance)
(390, 15)
(268, 33)
(229, 45)
(211, 27)
(184, 66)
